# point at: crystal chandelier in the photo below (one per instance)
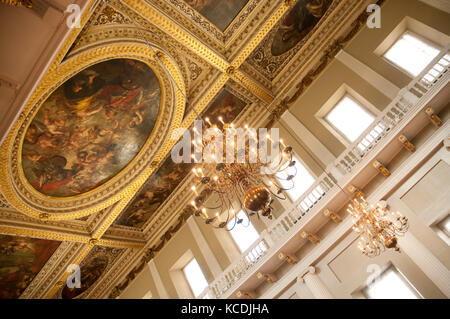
(248, 180)
(377, 226)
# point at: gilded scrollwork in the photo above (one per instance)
(110, 15)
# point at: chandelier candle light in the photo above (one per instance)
(243, 178)
(377, 226)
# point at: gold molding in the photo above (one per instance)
(163, 23)
(204, 51)
(82, 237)
(268, 25)
(86, 249)
(26, 199)
(51, 235)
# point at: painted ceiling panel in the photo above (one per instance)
(288, 36)
(91, 127)
(220, 13)
(92, 268)
(21, 259)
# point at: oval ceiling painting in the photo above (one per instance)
(297, 23)
(91, 127)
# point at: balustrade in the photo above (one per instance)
(286, 224)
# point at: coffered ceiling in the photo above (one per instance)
(131, 75)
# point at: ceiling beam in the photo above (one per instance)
(229, 70)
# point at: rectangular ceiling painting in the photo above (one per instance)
(220, 13)
(21, 259)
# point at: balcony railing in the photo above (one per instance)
(285, 225)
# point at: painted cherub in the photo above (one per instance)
(56, 127)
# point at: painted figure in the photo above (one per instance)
(21, 259)
(297, 23)
(220, 13)
(91, 127)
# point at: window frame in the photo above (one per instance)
(419, 37)
(343, 91)
(442, 227)
(234, 240)
(298, 159)
(187, 280)
(440, 230)
(178, 277)
(423, 31)
(400, 275)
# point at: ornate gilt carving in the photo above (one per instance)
(29, 201)
(312, 238)
(406, 143)
(334, 217)
(433, 117)
(381, 168)
(25, 3)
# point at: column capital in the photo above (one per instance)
(309, 270)
(317, 287)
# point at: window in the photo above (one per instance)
(302, 180)
(243, 235)
(195, 277)
(391, 285)
(411, 53)
(350, 118)
(443, 229)
(445, 225)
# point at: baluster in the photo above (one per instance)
(344, 163)
(257, 252)
(304, 206)
(327, 184)
(298, 213)
(376, 136)
(390, 118)
(348, 162)
(313, 199)
(360, 150)
(284, 224)
(423, 84)
(265, 245)
(353, 156)
(292, 217)
(323, 187)
(317, 193)
(277, 232)
(341, 169)
(267, 237)
(254, 255)
(308, 203)
(289, 221)
(302, 211)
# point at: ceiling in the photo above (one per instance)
(86, 174)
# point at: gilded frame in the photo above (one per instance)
(17, 190)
